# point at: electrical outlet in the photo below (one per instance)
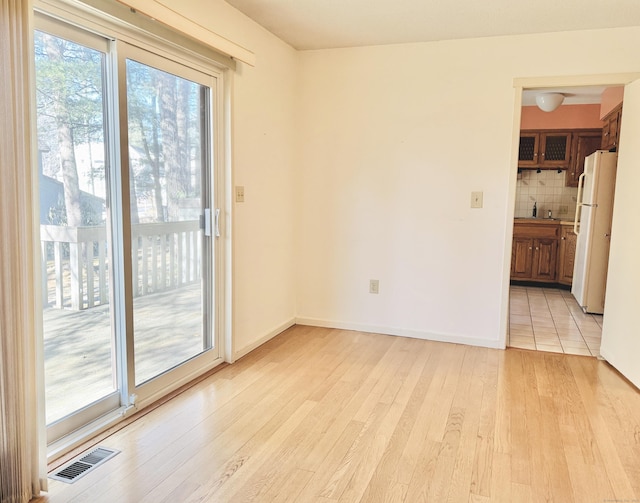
(374, 286)
(476, 199)
(563, 209)
(239, 194)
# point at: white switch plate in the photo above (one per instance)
(239, 194)
(374, 286)
(476, 199)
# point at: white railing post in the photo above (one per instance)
(75, 270)
(58, 274)
(102, 271)
(45, 274)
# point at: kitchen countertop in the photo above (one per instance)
(531, 220)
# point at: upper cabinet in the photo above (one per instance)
(544, 149)
(611, 128)
(585, 142)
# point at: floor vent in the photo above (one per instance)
(78, 468)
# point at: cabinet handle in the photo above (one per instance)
(537, 248)
(563, 238)
(530, 248)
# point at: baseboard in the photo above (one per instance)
(265, 338)
(401, 332)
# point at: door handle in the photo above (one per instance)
(576, 220)
(217, 223)
(206, 224)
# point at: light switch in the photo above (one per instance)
(476, 199)
(239, 194)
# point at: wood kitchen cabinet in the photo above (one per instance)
(534, 253)
(585, 142)
(544, 149)
(611, 128)
(566, 254)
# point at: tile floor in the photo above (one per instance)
(549, 319)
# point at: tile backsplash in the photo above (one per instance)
(548, 190)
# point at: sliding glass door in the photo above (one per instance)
(168, 108)
(80, 365)
(129, 229)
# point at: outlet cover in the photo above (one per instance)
(239, 194)
(563, 210)
(374, 286)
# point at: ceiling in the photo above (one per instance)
(324, 24)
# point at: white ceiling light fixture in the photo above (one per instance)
(548, 102)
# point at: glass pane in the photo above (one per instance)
(555, 148)
(527, 148)
(78, 340)
(167, 163)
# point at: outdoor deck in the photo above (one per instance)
(78, 349)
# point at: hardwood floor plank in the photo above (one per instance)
(485, 442)
(519, 446)
(384, 484)
(501, 485)
(331, 415)
(619, 482)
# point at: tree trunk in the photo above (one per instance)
(156, 160)
(69, 174)
(65, 139)
(170, 153)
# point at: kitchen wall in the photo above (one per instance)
(611, 98)
(563, 117)
(548, 190)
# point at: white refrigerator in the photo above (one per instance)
(592, 224)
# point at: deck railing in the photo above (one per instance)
(76, 268)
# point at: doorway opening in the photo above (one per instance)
(544, 315)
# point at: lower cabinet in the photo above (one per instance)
(534, 259)
(566, 254)
(534, 255)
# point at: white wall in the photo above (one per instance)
(263, 138)
(392, 140)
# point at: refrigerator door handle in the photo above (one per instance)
(576, 220)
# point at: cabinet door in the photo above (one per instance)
(584, 144)
(566, 256)
(529, 147)
(555, 150)
(614, 127)
(521, 256)
(611, 128)
(545, 255)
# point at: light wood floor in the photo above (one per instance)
(336, 416)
